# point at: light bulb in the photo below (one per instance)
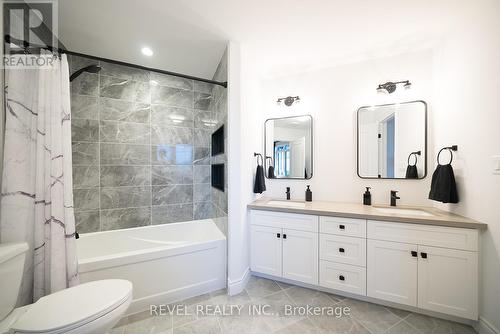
(147, 51)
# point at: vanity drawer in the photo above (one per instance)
(290, 221)
(348, 250)
(343, 226)
(342, 277)
(427, 235)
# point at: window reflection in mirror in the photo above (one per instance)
(392, 141)
(288, 147)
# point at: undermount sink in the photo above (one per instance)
(403, 211)
(289, 204)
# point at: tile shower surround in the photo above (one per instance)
(141, 148)
(219, 198)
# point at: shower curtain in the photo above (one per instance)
(37, 200)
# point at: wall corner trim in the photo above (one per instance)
(483, 326)
(237, 286)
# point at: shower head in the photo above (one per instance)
(89, 69)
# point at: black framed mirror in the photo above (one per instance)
(392, 141)
(288, 147)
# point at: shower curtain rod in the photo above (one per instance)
(26, 45)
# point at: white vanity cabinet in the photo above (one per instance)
(284, 245)
(429, 267)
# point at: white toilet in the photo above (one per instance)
(90, 308)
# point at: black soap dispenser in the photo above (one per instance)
(367, 197)
(309, 194)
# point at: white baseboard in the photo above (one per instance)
(237, 286)
(483, 326)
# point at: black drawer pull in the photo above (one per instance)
(342, 227)
(284, 236)
(341, 250)
(423, 255)
(278, 235)
(342, 278)
(414, 253)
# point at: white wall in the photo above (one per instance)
(243, 141)
(332, 96)
(467, 113)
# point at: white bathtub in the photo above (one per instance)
(165, 263)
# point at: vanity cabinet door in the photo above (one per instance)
(300, 256)
(265, 255)
(447, 281)
(392, 271)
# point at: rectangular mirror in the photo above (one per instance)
(288, 147)
(392, 141)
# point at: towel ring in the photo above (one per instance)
(450, 149)
(416, 158)
(270, 158)
(261, 159)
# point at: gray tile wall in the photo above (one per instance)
(141, 148)
(220, 112)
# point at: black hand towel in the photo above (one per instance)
(260, 183)
(270, 172)
(411, 172)
(443, 186)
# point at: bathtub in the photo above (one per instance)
(165, 263)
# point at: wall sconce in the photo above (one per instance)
(390, 87)
(289, 100)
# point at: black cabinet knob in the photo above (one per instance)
(423, 255)
(278, 235)
(342, 227)
(414, 253)
(342, 278)
(284, 236)
(341, 250)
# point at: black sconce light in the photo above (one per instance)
(289, 100)
(390, 87)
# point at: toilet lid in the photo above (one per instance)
(79, 304)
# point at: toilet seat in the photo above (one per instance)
(74, 307)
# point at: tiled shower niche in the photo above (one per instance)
(141, 148)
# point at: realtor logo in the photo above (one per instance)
(29, 26)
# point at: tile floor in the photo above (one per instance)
(364, 317)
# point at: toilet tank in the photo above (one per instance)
(12, 257)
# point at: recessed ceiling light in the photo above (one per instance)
(147, 51)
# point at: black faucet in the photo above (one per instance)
(394, 197)
(287, 193)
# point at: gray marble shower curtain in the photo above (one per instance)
(37, 199)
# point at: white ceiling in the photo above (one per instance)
(189, 36)
(181, 40)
